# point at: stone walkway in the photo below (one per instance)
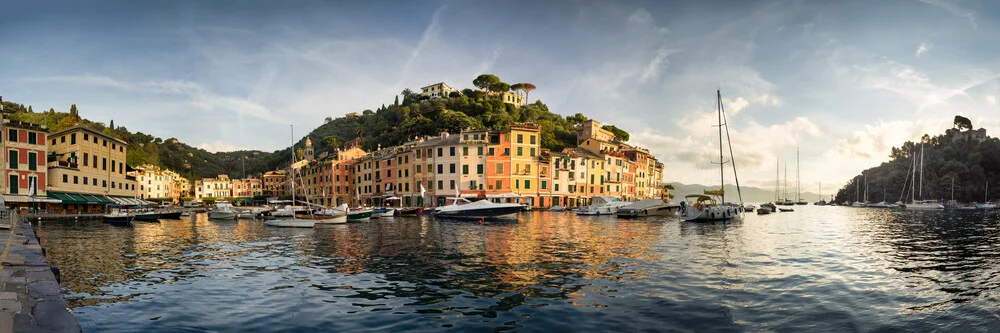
(29, 291)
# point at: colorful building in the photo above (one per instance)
(25, 174)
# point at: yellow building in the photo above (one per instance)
(437, 90)
(89, 168)
(219, 187)
(155, 183)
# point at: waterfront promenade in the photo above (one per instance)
(29, 290)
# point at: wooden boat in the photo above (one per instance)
(147, 216)
(171, 215)
(359, 215)
(117, 216)
(411, 211)
(384, 212)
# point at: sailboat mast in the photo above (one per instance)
(291, 135)
(777, 179)
(921, 193)
(914, 181)
(798, 182)
(722, 167)
(785, 190)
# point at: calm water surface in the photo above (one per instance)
(817, 269)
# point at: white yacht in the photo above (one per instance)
(603, 205)
(648, 207)
(462, 208)
(705, 207)
(223, 211)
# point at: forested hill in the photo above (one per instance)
(969, 157)
(387, 125)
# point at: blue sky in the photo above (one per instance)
(845, 81)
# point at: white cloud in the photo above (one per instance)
(991, 99)
(955, 9)
(656, 65)
(219, 146)
(924, 47)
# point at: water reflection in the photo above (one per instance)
(764, 273)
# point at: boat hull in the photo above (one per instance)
(763, 211)
(171, 216)
(491, 212)
(123, 220)
(359, 216)
(411, 211)
(148, 217)
(389, 212)
(664, 210)
(222, 215)
(713, 213)
(291, 223)
(923, 206)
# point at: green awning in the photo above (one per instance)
(68, 198)
(103, 200)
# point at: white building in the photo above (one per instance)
(437, 90)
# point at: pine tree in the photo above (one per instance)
(397, 101)
(73, 112)
(112, 124)
(30, 110)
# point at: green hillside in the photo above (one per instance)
(969, 157)
(403, 119)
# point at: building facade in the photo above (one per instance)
(87, 170)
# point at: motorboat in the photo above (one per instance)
(706, 208)
(411, 211)
(359, 215)
(384, 212)
(603, 205)
(782, 209)
(749, 208)
(924, 205)
(463, 208)
(292, 223)
(648, 207)
(987, 205)
(763, 211)
(223, 211)
(767, 208)
(557, 208)
(117, 216)
(171, 214)
(325, 216)
(882, 204)
(147, 216)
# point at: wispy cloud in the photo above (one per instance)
(924, 47)
(953, 8)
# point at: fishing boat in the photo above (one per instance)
(223, 211)
(602, 205)
(706, 207)
(359, 215)
(116, 215)
(648, 207)
(410, 211)
(463, 208)
(384, 212)
(921, 204)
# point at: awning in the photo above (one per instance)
(470, 195)
(69, 198)
(503, 195)
(24, 198)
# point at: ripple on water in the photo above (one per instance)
(817, 269)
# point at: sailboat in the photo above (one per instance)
(881, 204)
(986, 200)
(769, 207)
(921, 204)
(857, 190)
(327, 216)
(706, 207)
(821, 202)
(798, 182)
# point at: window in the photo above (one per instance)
(527, 168)
(104, 164)
(499, 184)
(76, 179)
(543, 184)
(105, 143)
(121, 149)
(12, 157)
(499, 168)
(554, 186)
(465, 151)
(517, 184)
(418, 168)
(440, 168)
(452, 184)
(520, 138)
(95, 161)
(32, 161)
(65, 178)
(12, 180)
(531, 152)
(465, 169)
(85, 181)
(62, 139)
(112, 165)
(418, 153)
(491, 152)
(451, 151)
(32, 138)
(479, 151)
(86, 158)
(12, 135)
(532, 139)
(95, 139)
(440, 151)
(472, 185)
(506, 152)
(479, 169)
(440, 184)
(53, 142)
(86, 137)
(451, 168)
(520, 151)
(72, 139)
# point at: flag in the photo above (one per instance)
(31, 186)
(422, 190)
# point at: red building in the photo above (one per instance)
(25, 173)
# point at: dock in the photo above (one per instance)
(29, 287)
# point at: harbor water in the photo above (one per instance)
(816, 269)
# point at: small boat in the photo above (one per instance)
(291, 223)
(463, 208)
(786, 210)
(763, 211)
(882, 204)
(147, 216)
(171, 215)
(602, 205)
(648, 207)
(186, 213)
(967, 207)
(557, 208)
(117, 216)
(359, 215)
(924, 205)
(988, 205)
(223, 211)
(384, 212)
(411, 211)
(325, 216)
(749, 208)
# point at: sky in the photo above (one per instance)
(841, 82)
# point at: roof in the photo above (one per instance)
(434, 84)
(92, 131)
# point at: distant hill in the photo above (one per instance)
(750, 194)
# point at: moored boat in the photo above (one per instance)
(648, 207)
(223, 211)
(359, 215)
(291, 223)
(410, 211)
(557, 208)
(463, 208)
(171, 215)
(147, 216)
(602, 205)
(384, 212)
(705, 207)
(117, 217)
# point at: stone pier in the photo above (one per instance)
(29, 290)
